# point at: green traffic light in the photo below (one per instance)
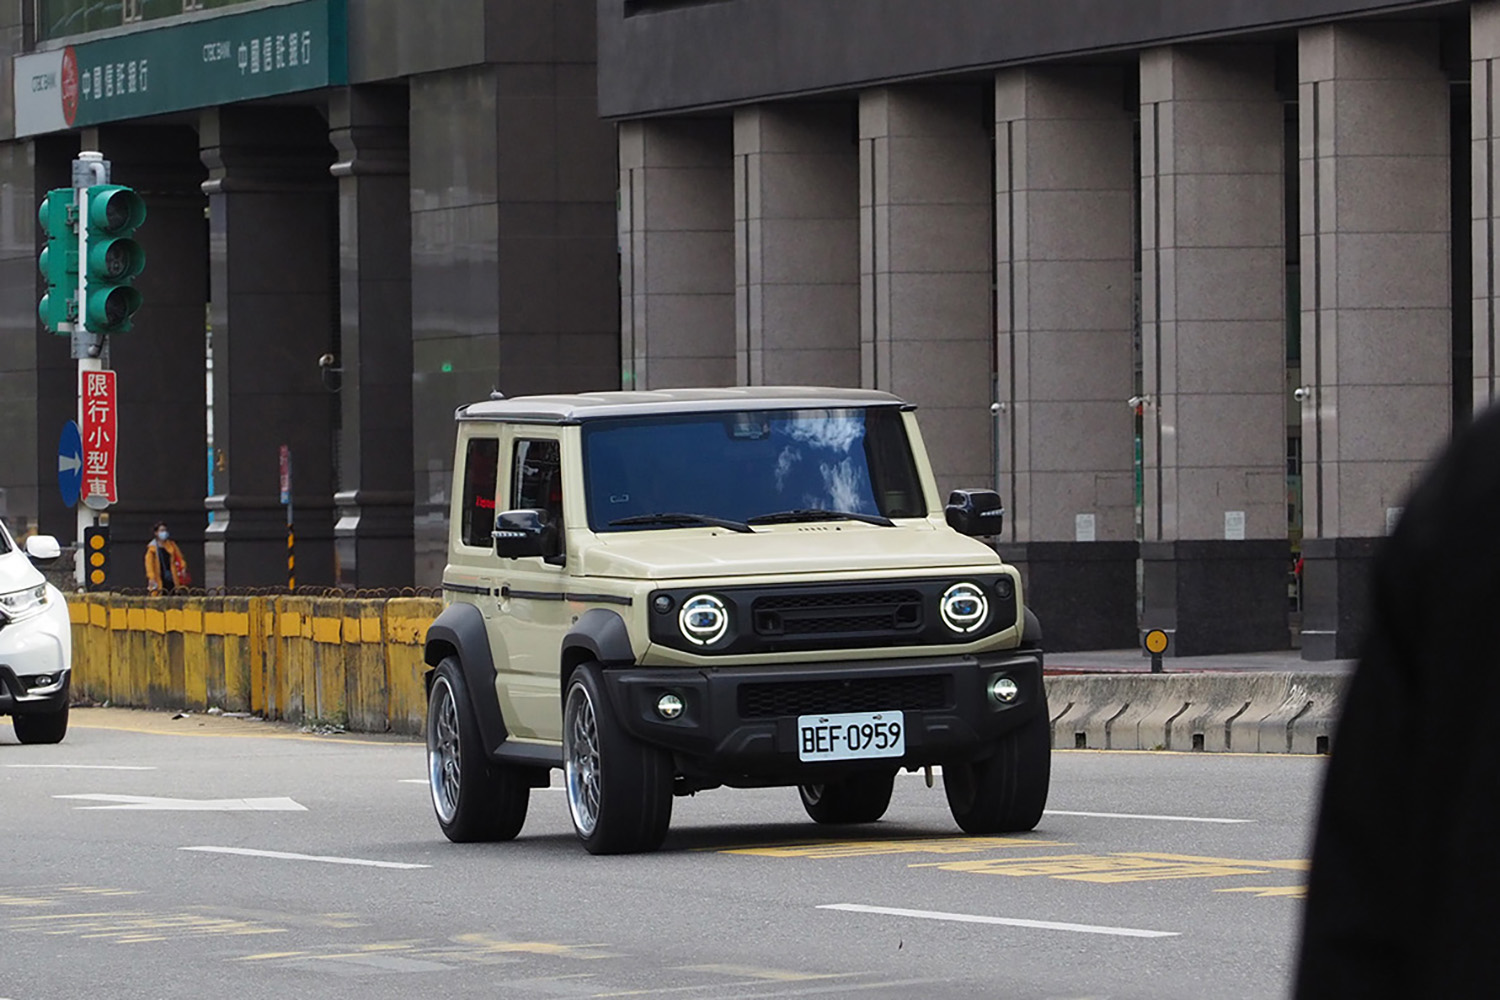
(114, 258)
(58, 261)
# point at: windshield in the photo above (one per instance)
(4, 538)
(738, 466)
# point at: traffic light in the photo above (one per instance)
(114, 257)
(59, 260)
(96, 557)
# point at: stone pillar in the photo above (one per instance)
(1376, 302)
(677, 282)
(1215, 553)
(163, 456)
(1484, 49)
(1065, 267)
(926, 267)
(273, 209)
(38, 378)
(372, 373)
(796, 215)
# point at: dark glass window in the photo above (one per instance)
(739, 465)
(481, 462)
(536, 479)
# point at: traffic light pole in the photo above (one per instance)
(88, 348)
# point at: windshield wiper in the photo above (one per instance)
(817, 514)
(674, 518)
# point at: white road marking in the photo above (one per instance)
(152, 802)
(91, 767)
(1165, 819)
(286, 856)
(413, 781)
(968, 918)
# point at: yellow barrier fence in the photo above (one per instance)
(341, 662)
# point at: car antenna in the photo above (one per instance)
(496, 394)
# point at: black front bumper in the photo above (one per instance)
(742, 721)
(15, 699)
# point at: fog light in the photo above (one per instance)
(661, 604)
(41, 680)
(1003, 689)
(669, 706)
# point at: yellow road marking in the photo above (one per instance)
(1117, 867)
(823, 850)
(1288, 891)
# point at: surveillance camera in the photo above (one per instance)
(1135, 401)
(326, 361)
(1302, 393)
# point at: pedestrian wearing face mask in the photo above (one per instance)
(166, 569)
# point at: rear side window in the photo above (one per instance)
(481, 463)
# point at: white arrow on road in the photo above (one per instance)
(152, 802)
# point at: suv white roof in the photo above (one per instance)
(581, 406)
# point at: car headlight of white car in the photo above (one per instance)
(21, 604)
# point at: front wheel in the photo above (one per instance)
(619, 789)
(44, 727)
(1005, 792)
(863, 798)
(475, 798)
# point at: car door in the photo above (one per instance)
(533, 610)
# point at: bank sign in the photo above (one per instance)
(197, 63)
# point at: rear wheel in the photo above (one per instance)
(475, 798)
(1005, 792)
(44, 727)
(862, 798)
(619, 789)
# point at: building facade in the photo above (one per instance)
(1199, 288)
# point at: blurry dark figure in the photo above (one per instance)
(1404, 894)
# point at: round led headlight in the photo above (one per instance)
(703, 619)
(964, 607)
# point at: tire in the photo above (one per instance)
(474, 798)
(43, 727)
(1007, 791)
(863, 798)
(619, 790)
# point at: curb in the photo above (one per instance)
(1273, 712)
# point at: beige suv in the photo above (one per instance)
(664, 592)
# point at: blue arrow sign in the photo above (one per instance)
(70, 463)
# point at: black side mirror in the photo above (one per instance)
(522, 533)
(975, 512)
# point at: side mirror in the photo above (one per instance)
(522, 533)
(43, 548)
(975, 512)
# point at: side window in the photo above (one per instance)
(481, 463)
(536, 479)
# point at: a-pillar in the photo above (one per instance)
(162, 446)
(927, 266)
(677, 282)
(1373, 112)
(1065, 267)
(372, 373)
(796, 215)
(1215, 553)
(1484, 50)
(273, 244)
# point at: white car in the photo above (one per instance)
(36, 642)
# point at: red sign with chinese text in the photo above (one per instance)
(98, 395)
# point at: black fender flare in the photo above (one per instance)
(459, 631)
(600, 636)
(1031, 631)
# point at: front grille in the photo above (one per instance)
(766, 700)
(853, 613)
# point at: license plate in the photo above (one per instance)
(850, 736)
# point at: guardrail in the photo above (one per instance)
(354, 663)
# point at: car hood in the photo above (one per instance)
(823, 547)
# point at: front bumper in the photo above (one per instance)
(33, 648)
(741, 722)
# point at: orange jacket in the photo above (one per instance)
(180, 575)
